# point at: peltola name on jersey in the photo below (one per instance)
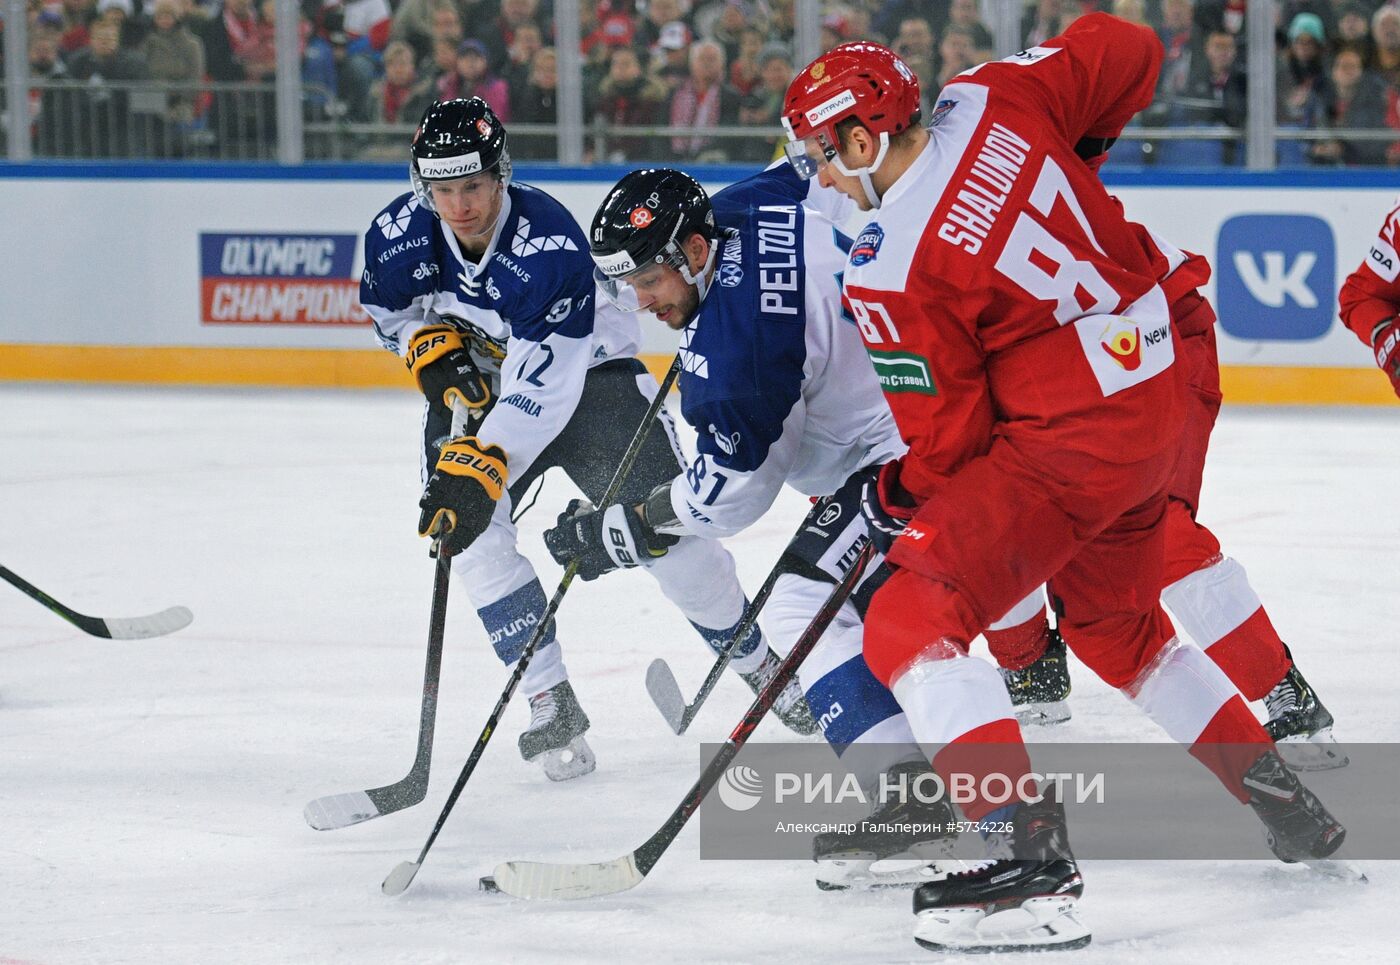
(777, 236)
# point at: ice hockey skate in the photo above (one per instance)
(1298, 827)
(790, 707)
(1005, 903)
(554, 738)
(1039, 693)
(895, 845)
(1301, 726)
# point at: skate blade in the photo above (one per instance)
(1039, 924)
(1320, 752)
(862, 874)
(1044, 713)
(1339, 868)
(575, 759)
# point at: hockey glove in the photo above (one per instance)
(1385, 339)
(462, 493)
(606, 540)
(886, 505)
(444, 368)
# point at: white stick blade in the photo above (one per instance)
(666, 693)
(543, 880)
(339, 810)
(155, 625)
(400, 878)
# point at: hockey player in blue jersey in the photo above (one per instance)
(485, 287)
(778, 387)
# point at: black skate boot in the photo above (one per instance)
(555, 735)
(790, 707)
(1301, 726)
(901, 842)
(985, 908)
(1297, 825)
(1039, 692)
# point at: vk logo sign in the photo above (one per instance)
(1277, 277)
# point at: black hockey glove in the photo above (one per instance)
(886, 506)
(603, 541)
(445, 370)
(462, 493)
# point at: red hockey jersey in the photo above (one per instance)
(1371, 294)
(1000, 288)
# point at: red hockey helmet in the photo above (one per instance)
(861, 80)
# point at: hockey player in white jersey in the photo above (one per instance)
(779, 390)
(485, 288)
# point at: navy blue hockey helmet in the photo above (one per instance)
(643, 221)
(456, 139)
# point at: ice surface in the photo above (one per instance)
(151, 792)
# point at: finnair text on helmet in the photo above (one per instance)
(616, 264)
(830, 108)
(450, 167)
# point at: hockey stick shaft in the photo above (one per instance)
(750, 618)
(402, 876)
(527, 879)
(125, 628)
(650, 852)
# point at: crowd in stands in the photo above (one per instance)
(702, 66)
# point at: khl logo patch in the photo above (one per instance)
(867, 245)
(1278, 275)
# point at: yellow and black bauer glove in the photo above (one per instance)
(445, 370)
(462, 492)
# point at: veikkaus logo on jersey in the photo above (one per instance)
(730, 275)
(437, 169)
(830, 108)
(867, 245)
(741, 788)
(280, 279)
(394, 225)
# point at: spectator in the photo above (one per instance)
(660, 14)
(1221, 15)
(514, 15)
(537, 104)
(835, 31)
(614, 29)
(1354, 30)
(673, 61)
(46, 105)
(400, 97)
(472, 77)
(1385, 31)
(234, 44)
(891, 13)
(1356, 98)
(119, 12)
(174, 54)
(1178, 36)
(703, 101)
(914, 43)
(338, 79)
(728, 30)
(413, 24)
(520, 57)
(1216, 92)
(101, 119)
(77, 15)
(763, 107)
(1302, 75)
(964, 13)
(744, 70)
(1133, 11)
(1040, 24)
(442, 63)
(956, 53)
(367, 24)
(628, 97)
(782, 18)
(445, 27)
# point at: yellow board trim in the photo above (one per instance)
(377, 369)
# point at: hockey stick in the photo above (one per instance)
(402, 876)
(352, 807)
(543, 879)
(661, 681)
(111, 628)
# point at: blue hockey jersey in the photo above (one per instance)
(775, 378)
(527, 309)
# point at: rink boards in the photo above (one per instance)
(247, 275)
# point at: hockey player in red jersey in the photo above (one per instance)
(1370, 299)
(1025, 348)
(1208, 592)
